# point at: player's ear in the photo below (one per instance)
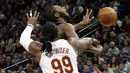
(57, 15)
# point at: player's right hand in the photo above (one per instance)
(95, 45)
(32, 19)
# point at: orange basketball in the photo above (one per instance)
(107, 16)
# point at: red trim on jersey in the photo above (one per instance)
(68, 41)
(42, 47)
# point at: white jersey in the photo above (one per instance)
(63, 58)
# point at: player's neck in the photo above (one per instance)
(55, 39)
(60, 19)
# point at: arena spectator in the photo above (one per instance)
(28, 69)
(2, 46)
(97, 61)
(20, 68)
(2, 71)
(18, 48)
(96, 69)
(113, 36)
(81, 2)
(10, 46)
(121, 68)
(8, 61)
(113, 64)
(126, 48)
(4, 56)
(1, 63)
(89, 64)
(119, 24)
(113, 49)
(25, 55)
(104, 39)
(77, 14)
(14, 72)
(106, 68)
(105, 49)
(126, 62)
(85, 69)
(80, 64)
(97, 35)
(114, 5)
(126, 24)
(36, 71)
(120, 41)
(39, 70)
(15, 59)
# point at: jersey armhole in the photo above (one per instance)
(42, 47)
(68, 41)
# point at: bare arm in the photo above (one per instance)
(86, 44)
(70, 31)
(79, 26)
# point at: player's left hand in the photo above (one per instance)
(87, 18)
(32, 19)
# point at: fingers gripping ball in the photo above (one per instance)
(107, 16)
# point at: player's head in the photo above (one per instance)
(56, 12)
(50, 31)
(50, 34)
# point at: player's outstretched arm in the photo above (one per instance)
(86, 20)
(70, 31)
(25, 39)
(86, 44)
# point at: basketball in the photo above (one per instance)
(107, 16)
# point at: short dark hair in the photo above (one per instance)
(126, 54)
(105, 63)
(121, 63)
(95, 65)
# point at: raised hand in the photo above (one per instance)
(87, 18)
(32, 19)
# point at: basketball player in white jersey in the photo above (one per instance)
(55, 55)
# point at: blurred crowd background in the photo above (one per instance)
(115, 57)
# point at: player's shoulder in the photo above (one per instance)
(68, 26)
